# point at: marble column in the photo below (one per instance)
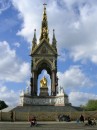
(34, 83)
(31, 84)
(53, 86)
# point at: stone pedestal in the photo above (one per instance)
(59, 100)
(44, 91)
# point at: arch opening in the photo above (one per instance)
(47, 76)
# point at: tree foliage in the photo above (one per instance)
(3, 105)
(91, 105)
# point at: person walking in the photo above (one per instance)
(11, 116)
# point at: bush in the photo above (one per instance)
(3, 105)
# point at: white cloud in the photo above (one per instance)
(4, 4)
(17, 44)
(11, 97)
(11, 68)
(80, 98)
(28, 14)
(62, 56)
(74, 78)
(74, 22)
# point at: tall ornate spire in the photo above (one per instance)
(54, 40)
(44, 26)
(34, 39)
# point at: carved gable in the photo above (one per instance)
(44, 48)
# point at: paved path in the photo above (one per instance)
(45, 126)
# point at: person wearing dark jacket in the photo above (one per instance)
(81, 118)
(33, 121)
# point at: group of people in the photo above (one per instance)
(33, 121)
(64, 118)
(90, 122)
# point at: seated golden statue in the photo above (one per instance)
(43, 82)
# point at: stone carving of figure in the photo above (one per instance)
(60, 90)
(43, 82)
(27, 90)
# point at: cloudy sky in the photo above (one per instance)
(75, 24)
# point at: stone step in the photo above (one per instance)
(46, 109)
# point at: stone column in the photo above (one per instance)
(35, 83)
(31, 84)
(53, 88)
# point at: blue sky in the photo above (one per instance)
(75, 24)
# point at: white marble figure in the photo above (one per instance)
(60, 91)
(22, 93)
(27, 90)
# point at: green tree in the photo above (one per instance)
(3, 105)
(91, 105)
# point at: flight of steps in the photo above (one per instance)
(46, 109)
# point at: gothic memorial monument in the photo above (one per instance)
(44, 56)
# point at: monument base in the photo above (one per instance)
(45, 108)
(44, 91)
(59, 100)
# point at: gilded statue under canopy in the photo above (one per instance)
(43, 82)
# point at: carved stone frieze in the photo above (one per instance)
(49, 100)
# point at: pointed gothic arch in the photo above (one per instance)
(44, 64)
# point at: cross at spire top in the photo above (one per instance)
(44, 4)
